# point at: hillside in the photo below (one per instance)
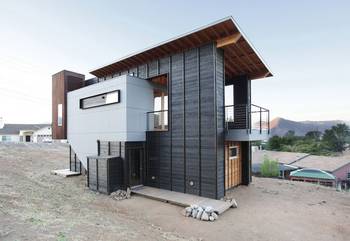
(280, 126)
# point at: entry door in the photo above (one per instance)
(135, 157)
(233, 164)
(27, 138)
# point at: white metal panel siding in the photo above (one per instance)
(109, 122)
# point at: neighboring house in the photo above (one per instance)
(283, 158)
(20, 132)
(338, 166)
(312, 175)
(325, 170)
(43, 134)
(162, 113)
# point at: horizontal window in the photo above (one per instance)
(100, 100)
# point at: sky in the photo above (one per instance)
(305, 44)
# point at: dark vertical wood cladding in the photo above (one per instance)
(62, 83)
(142, 71)
(190, 156)
(242, 99)
(153, 68)
(191, 122)
(105, 174)
(208, 120)
(177, 120)
(246, 162)
(220, 122)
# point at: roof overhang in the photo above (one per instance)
(241, 58)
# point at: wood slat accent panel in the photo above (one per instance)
(233, 168)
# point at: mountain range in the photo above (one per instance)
(280, 126)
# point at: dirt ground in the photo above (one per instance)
(35, 205)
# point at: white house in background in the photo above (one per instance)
(25, 132)
(43, 134)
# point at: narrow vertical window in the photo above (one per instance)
(233, 152)
(59, 115)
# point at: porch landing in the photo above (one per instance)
(182, 199)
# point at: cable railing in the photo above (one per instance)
(157, 120)
(249, 117)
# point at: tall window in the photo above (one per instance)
(59, 115)
(158, 119)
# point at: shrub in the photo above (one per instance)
(269, 167)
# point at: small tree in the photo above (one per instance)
(336, 137)
(313, 135)
(274, 143)
(269, 167)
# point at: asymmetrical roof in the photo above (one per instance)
(240, 56)
(14, 129)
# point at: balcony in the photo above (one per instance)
(247, 122)
(157, 120)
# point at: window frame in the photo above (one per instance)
(59, 114)
(95, 106)
(229, 152)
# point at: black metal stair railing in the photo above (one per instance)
(249, 117)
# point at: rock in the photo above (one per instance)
(234, 203)
(214, 215)
(194, 213)
(128, 193)
(199, 214)
(211, 218)
(188, 210)
(205, 216)
(209, 209)
(121, 194)
(194, 206)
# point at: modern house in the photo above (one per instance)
(338, 167)
(175, 116)
(25, 132)
(43, 134)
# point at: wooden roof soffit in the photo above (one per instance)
(232, 39)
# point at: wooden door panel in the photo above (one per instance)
(233, 167)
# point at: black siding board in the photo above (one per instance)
(220, 124)
(193, 148)
(164, 65)
(177, 119)
(208, 131)
(153, 68)
(142, 71)
(192, 121)
(152, 164)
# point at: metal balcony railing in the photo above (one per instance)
(157, 120)
(249, 117)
